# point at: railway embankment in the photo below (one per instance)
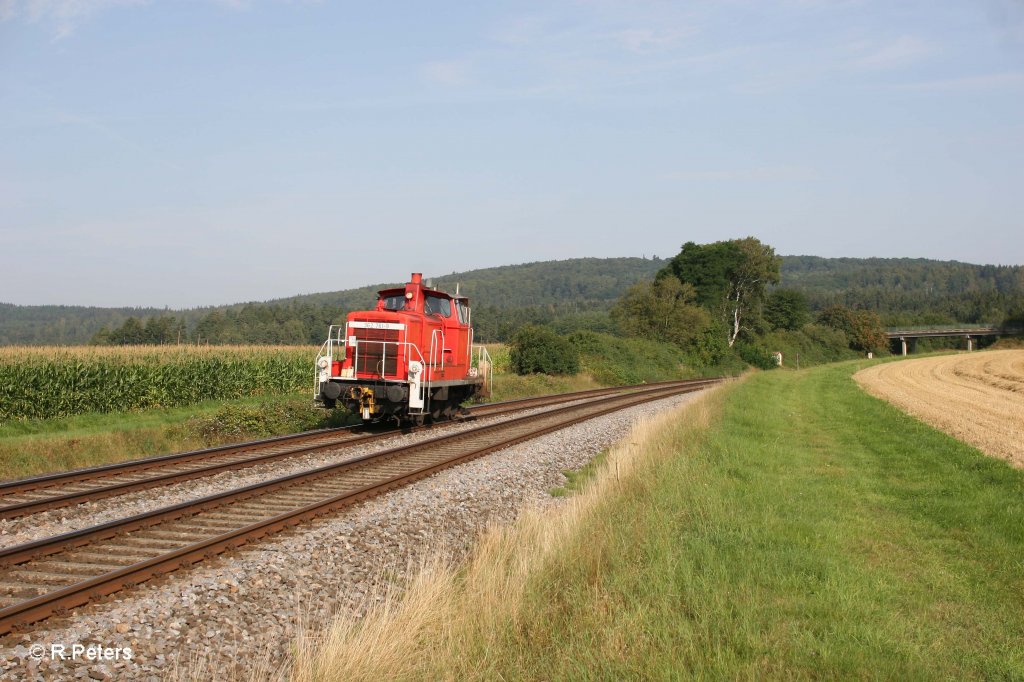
(786, 525)
(238, 616)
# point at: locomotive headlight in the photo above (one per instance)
(323, 362)
(408, 295)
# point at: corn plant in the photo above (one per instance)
(56, 381)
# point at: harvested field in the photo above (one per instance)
(976, 397)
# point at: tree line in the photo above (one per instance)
(718, 305)
(584, 295)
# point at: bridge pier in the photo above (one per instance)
(903, 342)
(970, 343)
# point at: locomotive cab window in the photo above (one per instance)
(396, 302)
(435, 305)
(463, 311)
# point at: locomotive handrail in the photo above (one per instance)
(483, 355)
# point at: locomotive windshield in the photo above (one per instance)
(436, 305)
(396, 302)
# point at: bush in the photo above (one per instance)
(616, 360)
(756, 355)
(816, 344)
(710, 349)
(535, 349)
(263, 419)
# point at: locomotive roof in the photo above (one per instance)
(394, 291)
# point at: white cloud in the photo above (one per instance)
(900, 52)
(451, 73)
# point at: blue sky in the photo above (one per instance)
(200, 152)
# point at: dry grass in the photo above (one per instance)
(976, 397)
(444, 615)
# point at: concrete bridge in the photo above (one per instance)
(965, 331)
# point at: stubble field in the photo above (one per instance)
(977, 397)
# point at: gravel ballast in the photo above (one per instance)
(66, 519)
(240, 613)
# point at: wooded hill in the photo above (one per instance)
(566, 295)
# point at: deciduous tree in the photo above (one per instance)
(730, 278)
(663, 310)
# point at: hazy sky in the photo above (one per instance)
(199, 152)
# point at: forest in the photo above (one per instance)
(565, 296)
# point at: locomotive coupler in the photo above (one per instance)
(367, 404)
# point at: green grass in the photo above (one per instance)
(812, 532)
(574, 480)
(33, 447)
(103, 422)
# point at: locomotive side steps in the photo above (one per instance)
(33, 495)
(49, 576)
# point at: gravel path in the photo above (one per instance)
(238, 615)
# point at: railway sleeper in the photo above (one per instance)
(32, 577)
(214, 524)
(276, 506)
(182, 534)
(232, 517)
(137, 543)
(106, 560)
(21, 591)
(256, 507)
(73, 568)
(131, 551)
(191, 526)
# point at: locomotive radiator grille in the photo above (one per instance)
(376, 345)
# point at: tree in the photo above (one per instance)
(730, 278)
(538, 350)
(786, 309)
(862, 327)
(663, 310)
(707, 268)
(130, 333)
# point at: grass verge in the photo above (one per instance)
(30, 448)
(789, 526)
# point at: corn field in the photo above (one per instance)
(60, 381)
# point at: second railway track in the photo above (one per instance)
(52, 575)
(42, 493)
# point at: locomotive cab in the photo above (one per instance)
(410, 358)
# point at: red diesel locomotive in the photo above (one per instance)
(410, 358)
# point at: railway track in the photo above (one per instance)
(42, 493)
(52, 575)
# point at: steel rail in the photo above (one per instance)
(61, 490)
(75, 568)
